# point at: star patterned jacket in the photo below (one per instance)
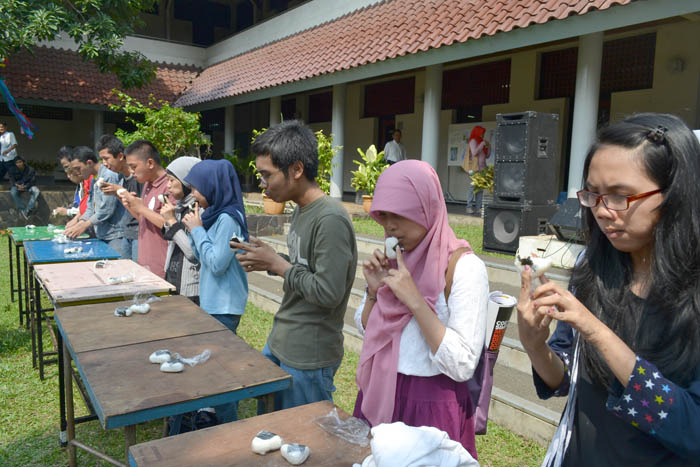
(651, 420)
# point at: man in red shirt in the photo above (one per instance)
(143, 160)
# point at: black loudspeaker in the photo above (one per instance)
(505, 224)
(527, 158)
(566, 223)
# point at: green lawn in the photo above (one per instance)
(29, 407)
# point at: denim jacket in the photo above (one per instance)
(105, 212)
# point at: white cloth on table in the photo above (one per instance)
(399, 444)
(465, 320)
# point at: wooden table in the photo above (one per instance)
(229, 444)
(111, 355)
(70, 284)
(47, 252)
(79, 283)
(17, 236)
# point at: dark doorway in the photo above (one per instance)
(387, 124)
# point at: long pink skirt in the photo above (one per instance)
(437, 401)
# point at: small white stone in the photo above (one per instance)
(121, 191)
(265, 442)
(160, 356)
(295, 454)
(390, 247)
(161, 198)
(99, 181)
(143, 308)
(172, 367)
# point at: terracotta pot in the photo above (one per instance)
(272, 207)
(366, 203)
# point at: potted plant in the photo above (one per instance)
(484, 180)
(368, 171)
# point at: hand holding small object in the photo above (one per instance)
(167, 210)
(110, 188)
(259, 256)
(554, 302)
(533, 327)
(400, 281)
(192, 219)
(375, 269)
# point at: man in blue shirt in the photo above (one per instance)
(103, 212)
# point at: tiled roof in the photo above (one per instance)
(379, 32)
(62, 76)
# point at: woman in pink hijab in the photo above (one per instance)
(419, 349)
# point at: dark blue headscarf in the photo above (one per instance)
(218, 182)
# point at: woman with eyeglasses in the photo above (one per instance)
(626, 345)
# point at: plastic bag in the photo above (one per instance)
(141, 305)
(192, 361)
(352, 430)
(177, 362)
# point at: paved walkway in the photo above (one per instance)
(456, 212)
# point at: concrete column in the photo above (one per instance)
(275, 110)
(338, 132)
(431, 115)
(585, 120)
(98, 126)
(229, 131)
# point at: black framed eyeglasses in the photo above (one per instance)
(611, 201)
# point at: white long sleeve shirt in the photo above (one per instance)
(394, 151)
(465, 319)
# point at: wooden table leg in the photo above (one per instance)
(269, 401)
(70, 416)
(61, 393)
(12, 272)
(129, 438)
(18, 277)
(27, 307)
(38, 313)
(32, 328)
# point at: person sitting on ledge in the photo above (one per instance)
(22, 179)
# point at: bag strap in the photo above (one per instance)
(451, 265)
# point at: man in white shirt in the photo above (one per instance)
(394, 150)
(8, 149)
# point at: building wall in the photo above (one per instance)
(675, 90)
(52, 134)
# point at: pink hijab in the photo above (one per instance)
(410, 189)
